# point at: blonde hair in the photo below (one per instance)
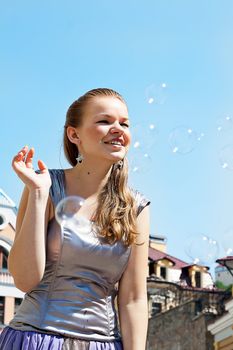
(116, 211)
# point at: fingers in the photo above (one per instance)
(26, 155)
(42, 166)
(19, 157)
(29, 158)
(21, 154)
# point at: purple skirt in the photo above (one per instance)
(11, 339)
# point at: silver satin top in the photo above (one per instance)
(76, 295)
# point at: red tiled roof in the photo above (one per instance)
(226, 258)
(155, 255)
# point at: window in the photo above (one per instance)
(3, 258)
(163, 272)
(3, 221)
(198, 279)
(198, 306)
(151, 268)
(156, 308)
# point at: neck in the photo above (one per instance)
(89, 177)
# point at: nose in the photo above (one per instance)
(117, 128)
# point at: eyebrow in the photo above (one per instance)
(109, 116)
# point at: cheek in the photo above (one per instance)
(128, 136)
(100, 130)
(97, 132)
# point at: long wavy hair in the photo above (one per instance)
(116, 212)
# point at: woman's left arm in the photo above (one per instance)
(132, 296)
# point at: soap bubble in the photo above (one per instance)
(144, 136)
(139, 162)
(143, 139)
(156, 94)
(226, 157)
(149, 134)
(224, 123)
(182, 139)
(136, 137)
(67, 214)
(201, 249)
(227, 241)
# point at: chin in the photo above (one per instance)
(117, 158)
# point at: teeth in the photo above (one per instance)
(114, 143)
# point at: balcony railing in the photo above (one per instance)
(5, 277)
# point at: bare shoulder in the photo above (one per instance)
(143, 225)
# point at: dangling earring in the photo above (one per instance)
(120, 164)
(79, 158)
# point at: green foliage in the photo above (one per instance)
(221, 285)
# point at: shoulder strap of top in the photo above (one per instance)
(57, 189)
(141, 200)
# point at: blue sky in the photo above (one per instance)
(54, 51)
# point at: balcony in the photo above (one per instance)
(6, 278)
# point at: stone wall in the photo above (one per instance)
(181, 328)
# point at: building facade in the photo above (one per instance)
(182, 300)
(10, 296)
(222, 328)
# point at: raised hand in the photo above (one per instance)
(22, 165)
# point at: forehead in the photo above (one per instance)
(109, 105)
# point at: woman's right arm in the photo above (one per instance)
(27, 257)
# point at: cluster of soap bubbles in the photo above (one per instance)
(182, 139)
(68, 214)
(204, 250)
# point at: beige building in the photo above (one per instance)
(171, 269)
(222, 328)
(10, 296)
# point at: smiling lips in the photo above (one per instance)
(115, 142)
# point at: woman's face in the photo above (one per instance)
(104, 131)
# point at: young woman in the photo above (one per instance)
(71, 279)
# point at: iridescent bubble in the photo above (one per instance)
(227, 241)
(224, 123)
(150, 133)
(226, 157)
(67, 214)
(143, 139)
(144, 136)
(139, 162)
(136, 137)
(182, 140)
(156, 94)
(202, 249)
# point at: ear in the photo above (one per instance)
(72, 135)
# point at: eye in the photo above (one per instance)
(103, 121)
(125, 124)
